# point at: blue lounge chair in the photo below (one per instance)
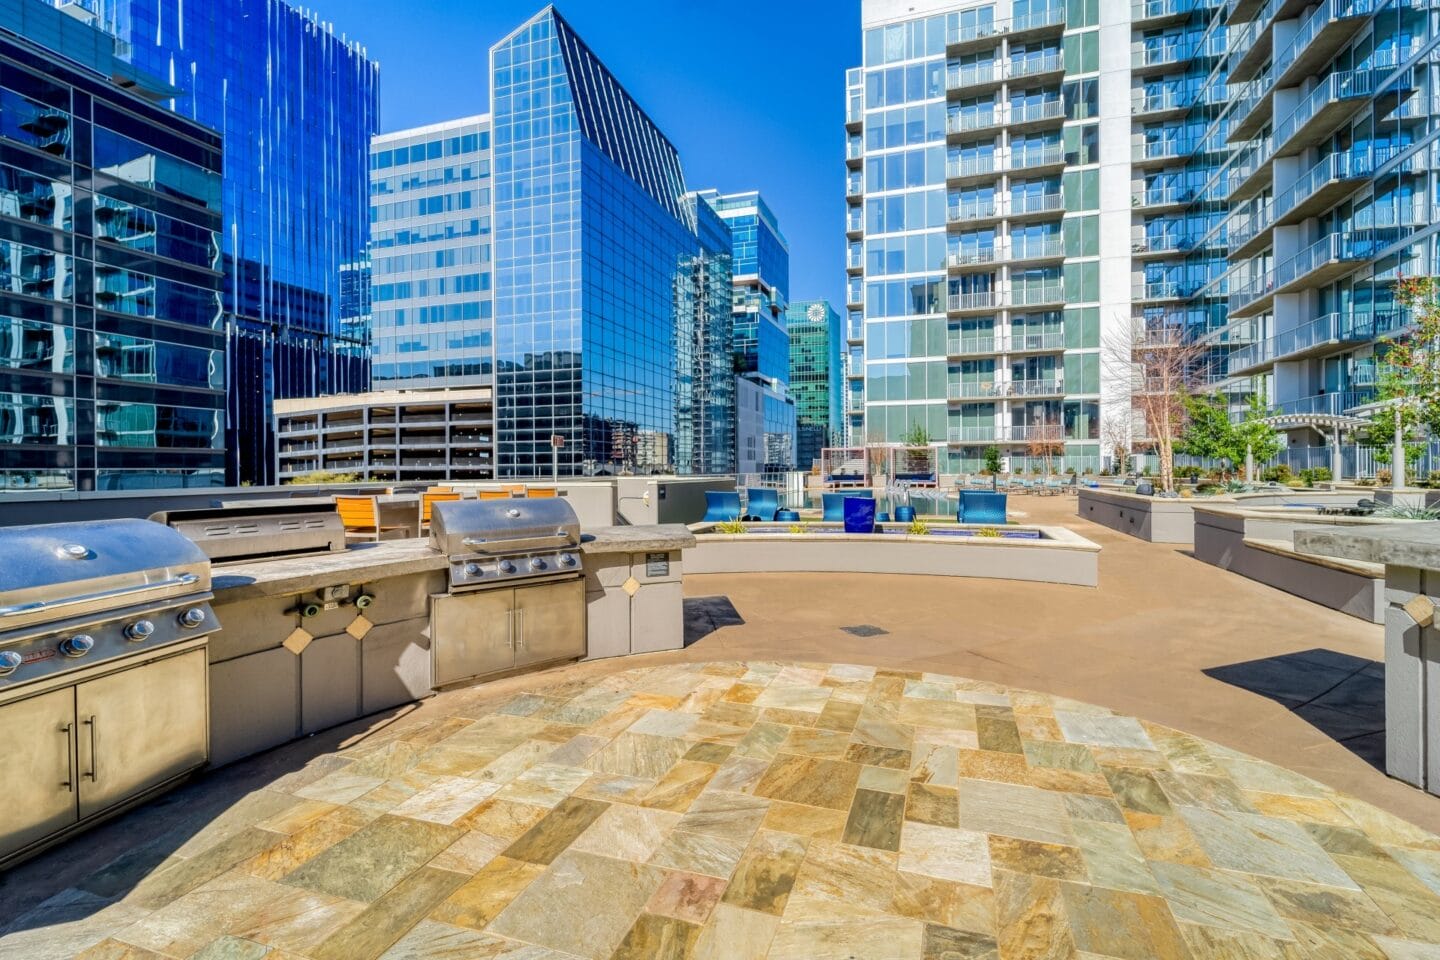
(833, 505)
(761, 503)
(859, 514)
(981, 506)
(721, 505)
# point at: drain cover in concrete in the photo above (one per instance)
(865, 630)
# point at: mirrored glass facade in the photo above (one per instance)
(431, 296)
(596, 285)
(112, 343)
(297, 104)
(816, 377)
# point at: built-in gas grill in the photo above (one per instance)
(517, 594)
(243, 532)
(103, 632)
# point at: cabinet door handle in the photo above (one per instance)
(94, 775)
(510, 629)
(66, 729)
(519, 629)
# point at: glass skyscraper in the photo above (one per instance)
(112, 343)
(432, 305)
(597, 291)
(816, 377)
(297, 104)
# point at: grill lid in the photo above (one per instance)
(461, 527)
(62, 569)
(244, 532)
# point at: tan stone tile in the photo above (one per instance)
(501, 818)
(872, 938)
(388, 919)
(733, 933)
(1030, 918)
(627, 832)
(805, 821)
(959, 905)
(838, 880)
(766, 873)
(480, 899)
(547, 839)
(1127, 926)
(677, 790)
(1039, 859)
(959, 855)
(658, 938)
(686, 896)
(296, 849)
(699, 853)
(721, 813)
(818, 782)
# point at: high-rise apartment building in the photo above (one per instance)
(1322, 159)
(431, 299)
(816, 378)
(765, 410)
(112, 337)
(605, 273)
(1250, 176)
(297, 104)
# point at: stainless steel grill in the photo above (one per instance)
(517, 594)
(243, 532)
(103, 630)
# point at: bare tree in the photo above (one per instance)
(1117, 433)
(1163, 365)
(1045, 440)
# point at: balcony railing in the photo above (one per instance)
(1034, 342)
(1162, 290)
(968, 121)
(1170, 98)
(1333, 328)
(1349, 85)
(1026, 203)
(975, 210)
(1163, 196)
(1334, 404)
(974, 74)
(967, 258)
(977, 434)
(972, 301)
(1251, 290)
(986, 389)
(970, 346)
(1037, 248)
(1169, 242)
(1030, 66)
(1323, 15)
(1158, 9)
(1249, 222)
(1031, 294)
(1038, 156)
(1164, 54)
(1333, 169)
(1035, 388)
(1036, 112)
(1172, 148)
(957, 167)
(1351, 246)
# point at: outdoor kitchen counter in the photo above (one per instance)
(361, 562)
(1416, 546)
(639, 539)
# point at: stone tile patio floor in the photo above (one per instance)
(748, 810)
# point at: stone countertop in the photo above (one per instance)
(360, 563)
(1401, 545)
(637, 539)
(364, 562)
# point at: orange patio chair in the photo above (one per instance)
(428, 501)
(542, 492)
(361, 517)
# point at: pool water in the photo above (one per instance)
(904, 531)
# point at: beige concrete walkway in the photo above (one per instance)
(1138, 644)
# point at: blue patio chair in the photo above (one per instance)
(761, 503)
(833, 505)
(981, 506)
(859, 514)
(721, 505)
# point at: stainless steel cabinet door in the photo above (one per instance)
(140, 727)
(39, 765)
(550, 622)
(470, 635)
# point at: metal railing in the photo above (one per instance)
(972, 301)
(974, 210)
(1167, 149)
(1029, 294)
(1037, 156)
(967, 346)
(965, 258)
(1348, 85)
(1323, 15)
(1171, 98)
(1035, 388)
(1164, 54)
(1155, 9)
(1030, 66)
(973, 74)
(1334, 404)
(1023, 203)
(1021, 342)
(971, 166)
(987, 389)
(1354, 245)
(1037, 248)
(1034, 112)
(1163, 196)
(1251, 290)
(965, 121)
(1249, 221)
(986, 434)
(1336, 167)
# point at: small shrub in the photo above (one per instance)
(1280, 473)
(1408, 513)
(730, 526)
(800, 527)
(1313, 475)
(1365, 482)
(918, 528)
(1187, 494)
(990, 533)
(1384, 477)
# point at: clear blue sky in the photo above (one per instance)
(750, 91)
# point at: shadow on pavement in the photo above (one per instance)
(705, 615)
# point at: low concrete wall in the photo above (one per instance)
(1260, 546)
(650, 500)
(1066, 558)
(1156, 519)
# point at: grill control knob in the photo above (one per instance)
(537, 563)
(506, 566)
(567, 560)
(9, 662)
(78, 645)
(473, 569)
(192, 618)
(139, 630)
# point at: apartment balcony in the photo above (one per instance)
(964, 123)
(1043, 23)
(974, 78)
(1334, 404)
(980, 257)
(970, 214)
(854, 188)
(1161, 13)
(1037, 294)
(1152, 153)
(854, 264)
(1049, 66)
(1163, 245)
(1254, 107)
(978, 434)
(1037, 116)
(1251, 45)
(972, 302)
(1252, 297)
(1252, 171)
(1239, 11)
(1337, 98)
(854, 153)
(1170, 103)
(1034, 388)
(1324, 185)
(1249, 229)
(1030, 206)
(1319, 38)
(855, 226)
(1328, 259)
(1315, 338)
(1050, 158)
(855, 331)
(976, 390)
(966, 170)
(854, 118)
(972, 347)
(967, 38)
(1161, 55)
(1161, 198)
(1037, 250)
(1051, 342)
(1161, 290)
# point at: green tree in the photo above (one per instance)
(1409, 374)
(1208, 433)
(992, 459)
(916, 436)
(1255, 435)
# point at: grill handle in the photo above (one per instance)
(184, 580)
(515, 545)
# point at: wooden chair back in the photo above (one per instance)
(494, 494)
(542, 492)
(359, 514)
(428, 501)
